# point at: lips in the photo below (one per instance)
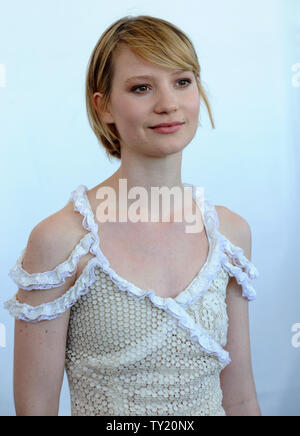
(168, 130)
(175, 123)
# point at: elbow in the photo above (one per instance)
(35, 404)
(247, 407)
(34, 409)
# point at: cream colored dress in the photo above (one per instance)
(130, 352)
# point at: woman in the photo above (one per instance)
(141, 329)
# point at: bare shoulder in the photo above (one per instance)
(236, 229)
(52, 240)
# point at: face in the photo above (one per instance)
(138, 104)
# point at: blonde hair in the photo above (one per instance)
(153, 39)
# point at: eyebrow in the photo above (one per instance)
(151, 77)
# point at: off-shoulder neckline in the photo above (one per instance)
(199, 280)
(221, 250)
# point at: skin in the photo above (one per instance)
(148, 159)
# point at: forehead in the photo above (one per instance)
(128, 64)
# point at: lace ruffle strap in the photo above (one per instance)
(55, 277)
(55, 308)
(82, 205)
(242, 269)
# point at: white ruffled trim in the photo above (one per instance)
(82, 205)
(220, 249)
(55, 308)
(191, 292)
(55, 277)
(198, 333)
(243, 270)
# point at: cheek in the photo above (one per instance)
(192, 110)
(129, 114)
(130, 121)
(193, 104)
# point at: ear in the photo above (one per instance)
(97, 101)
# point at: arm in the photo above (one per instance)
(39, 348)
(39, 355)
(237, 383)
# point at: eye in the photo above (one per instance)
(135, 88)
(138, 87)
(185, 80)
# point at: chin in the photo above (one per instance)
(172, 149)
(163, 151)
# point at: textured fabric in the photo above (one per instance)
(130, 352)
(125, 356)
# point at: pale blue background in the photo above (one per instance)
(250, 163)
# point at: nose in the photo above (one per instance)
(166, 101)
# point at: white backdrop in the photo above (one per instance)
(249, 52)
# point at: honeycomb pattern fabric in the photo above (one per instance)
(128, 351)
(127, 357)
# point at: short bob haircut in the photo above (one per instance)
(153, 39)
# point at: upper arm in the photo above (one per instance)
(39, 358)
(39, 347)
(237, 379)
